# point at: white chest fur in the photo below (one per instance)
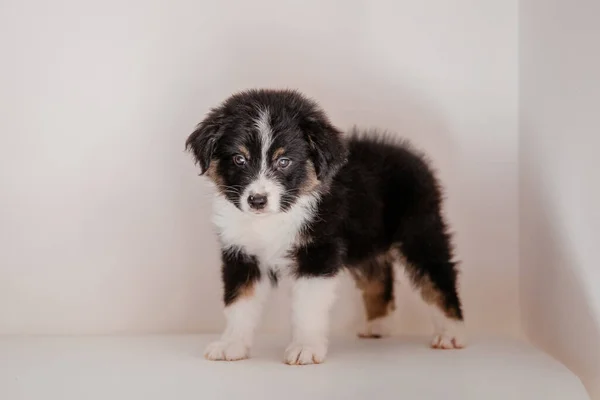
(270, 237)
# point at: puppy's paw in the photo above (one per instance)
(374, 329)
(453, 337)
(226, 350)
(305, 354)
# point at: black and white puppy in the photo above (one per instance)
(295, 198)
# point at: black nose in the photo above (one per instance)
(257, 201)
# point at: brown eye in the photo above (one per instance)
(239, 160)
(283, 163)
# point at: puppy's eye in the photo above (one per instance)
(239, 160)
(283, 163)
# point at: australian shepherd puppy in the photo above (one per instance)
(296, 198)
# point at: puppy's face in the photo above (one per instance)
(264, 149)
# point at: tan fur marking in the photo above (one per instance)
(359, 280)
(387, 258)
(375, 306)
(311, 180)
(212, 172)
(431, 295)
(244, 151)
(246, 291)
(373, 288)
(278, 153)
(428, 292)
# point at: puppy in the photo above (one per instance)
(295, 198)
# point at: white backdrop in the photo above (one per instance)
(103, 219)
(560, 187)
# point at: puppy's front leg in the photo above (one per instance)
(245, 292)
(312, 298)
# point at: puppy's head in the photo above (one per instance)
(264, 149)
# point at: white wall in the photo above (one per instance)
(103, 221)
(560, 188)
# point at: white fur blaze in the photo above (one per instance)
(265, 133)
(263, 184)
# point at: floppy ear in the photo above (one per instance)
(203, 140)
(327, 148)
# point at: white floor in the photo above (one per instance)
(172, 367)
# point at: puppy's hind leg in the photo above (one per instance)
(428, 258)
(376, 281)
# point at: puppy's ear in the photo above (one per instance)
(203, 140)
(327, 148)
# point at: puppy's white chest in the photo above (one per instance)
(269, 238)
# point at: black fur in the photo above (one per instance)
(387, 197)
(239, 271)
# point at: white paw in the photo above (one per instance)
(450, 338)
(374, 329)
(232, 350)
(304, 354)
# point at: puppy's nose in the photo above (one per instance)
(257, 201)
